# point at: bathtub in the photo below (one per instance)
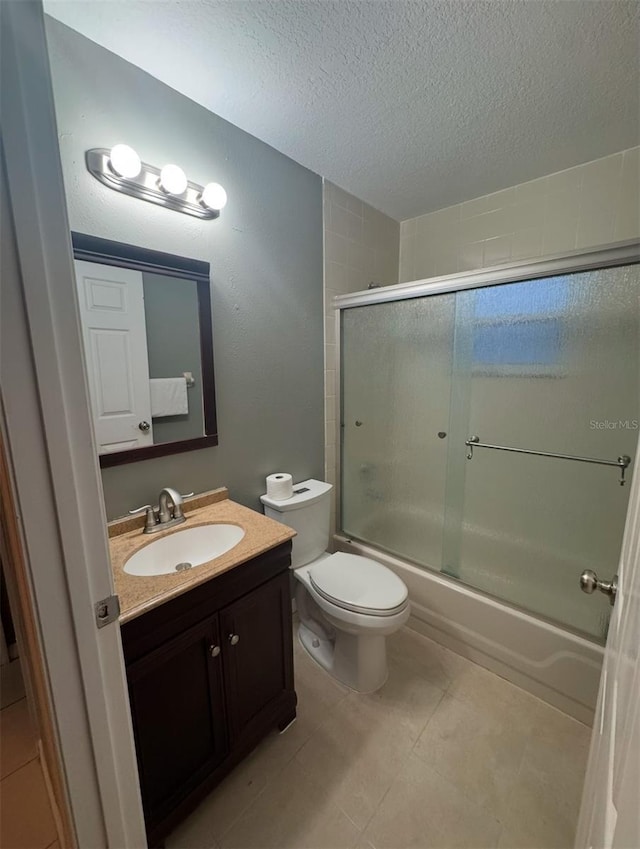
(558, 666)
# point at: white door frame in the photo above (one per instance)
(47, 424)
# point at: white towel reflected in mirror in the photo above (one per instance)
(168, 397)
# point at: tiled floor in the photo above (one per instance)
(26, 821)
(445, 755)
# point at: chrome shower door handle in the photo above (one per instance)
(589, 583)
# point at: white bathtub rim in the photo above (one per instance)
(456, 586)
(566, 677)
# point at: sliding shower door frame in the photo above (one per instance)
(608, 256)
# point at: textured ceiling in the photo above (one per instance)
(411, 105)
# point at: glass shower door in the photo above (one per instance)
(396, 380)
(549, 365)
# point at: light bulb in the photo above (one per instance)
(173, 180)
(213, 196)
(125, 161)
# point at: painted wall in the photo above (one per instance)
(266, 261)
(361, 246)
(585, 206)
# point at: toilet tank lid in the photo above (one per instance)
(305, 493)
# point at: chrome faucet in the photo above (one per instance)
(168, 514)
(168, 496)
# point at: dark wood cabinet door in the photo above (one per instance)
(258, 659)
(178, 712)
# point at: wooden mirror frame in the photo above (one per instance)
(107, 252)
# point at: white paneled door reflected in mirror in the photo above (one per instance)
(146, 325)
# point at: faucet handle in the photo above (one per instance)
(152, 519)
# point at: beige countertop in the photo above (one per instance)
(139, 594)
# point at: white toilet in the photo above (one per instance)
(347, 604)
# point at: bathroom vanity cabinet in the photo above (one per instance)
(210, 673)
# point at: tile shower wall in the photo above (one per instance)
(585, 206)
(591, 204)
(361, 246)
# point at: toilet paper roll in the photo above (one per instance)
(279, 486)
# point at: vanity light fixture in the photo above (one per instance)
(122, 169)
(213, 196)
(173, 180)
(124, 161)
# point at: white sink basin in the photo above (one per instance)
(183, 550)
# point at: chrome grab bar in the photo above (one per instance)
(622, 462)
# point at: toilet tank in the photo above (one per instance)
(307, 512)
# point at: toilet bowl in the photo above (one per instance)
(347, 604)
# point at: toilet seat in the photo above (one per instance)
(358, 584)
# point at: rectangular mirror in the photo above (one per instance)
(146, 326)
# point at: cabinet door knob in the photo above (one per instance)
(144, 427)
(214, 651)
(234, 639)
